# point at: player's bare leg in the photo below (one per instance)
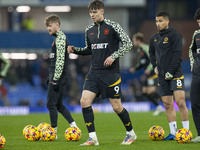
(180, 101)
(171, 116)
(124, 116)
(86, 102)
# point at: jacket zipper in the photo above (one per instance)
(98, 31)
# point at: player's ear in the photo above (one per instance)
(102, 11)
(57, 25)
(167, 20)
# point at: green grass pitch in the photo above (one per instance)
(109, 128)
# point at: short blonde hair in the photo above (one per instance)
(52, 19)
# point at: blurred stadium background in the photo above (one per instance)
(26, 43)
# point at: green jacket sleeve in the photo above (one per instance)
(6, 66)
(60, 55)
(145, 48)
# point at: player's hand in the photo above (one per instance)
(191, 68)
(147, 72)
(168, 76)
(108, 61)
(70, 49)
(132, 69)
(156, 70)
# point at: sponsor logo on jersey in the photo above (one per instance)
(51, 55)
(91, 33)
(106, 31)
(99, 46)
(165, 40)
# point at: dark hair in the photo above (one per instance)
(52, 19)
(139, 36)
(96, 4)
(197, 14)
(162, 14)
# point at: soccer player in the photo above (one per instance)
(102, 39)
(149, 88)
(165, 54)
(57, 72)
(194, 54)
(4, 66)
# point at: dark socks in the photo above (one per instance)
(89, 118)
(124, 116)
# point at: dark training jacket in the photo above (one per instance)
(58, 59)
(194, 53)
(102, 40)
(165, 52)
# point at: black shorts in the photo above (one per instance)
(166, 87)
(106, 85)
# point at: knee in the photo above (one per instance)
(84, 101)
(60, 108)
(168, 105)
(117, 108)
(181, 105)
(49, 106)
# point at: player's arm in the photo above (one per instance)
(152, 55)
(86, 50)
(192, 50)
(6, 66)
(177, 52)
(60, 57)
(124, 39)
(146, 50)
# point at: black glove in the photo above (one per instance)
(55, 85)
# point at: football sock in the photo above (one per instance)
(132, 133)
(153, 98)
(93, 135)
(124, 116)
(89, 118)
(55, 129)
(73, 124)
(173, 127)
(185, 124)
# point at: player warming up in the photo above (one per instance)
(57, 72)
(4, 66)
(149, 86)
(102, 39)
(165, 54)
(194, 54)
